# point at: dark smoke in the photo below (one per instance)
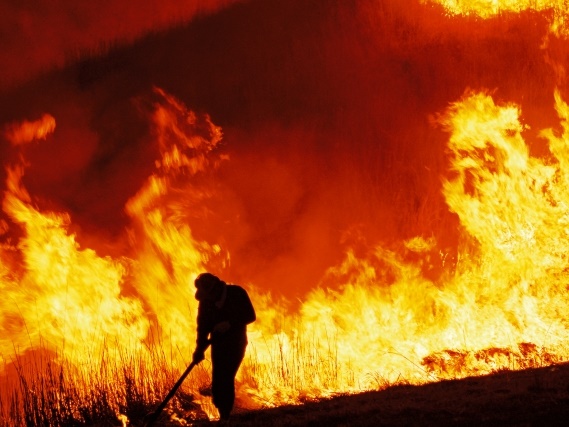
(36, 36)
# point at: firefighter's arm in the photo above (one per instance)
(202, 340)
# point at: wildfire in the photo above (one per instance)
(372, 320)
(505, 289)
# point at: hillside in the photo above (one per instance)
(533, 397)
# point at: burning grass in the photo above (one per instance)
(44, 391)
(41, 390)
(47, 392)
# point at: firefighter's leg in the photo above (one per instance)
(225, 363)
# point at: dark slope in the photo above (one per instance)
(533, 397)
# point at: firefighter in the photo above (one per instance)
(224, 312)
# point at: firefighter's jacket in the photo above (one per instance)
(234, 307)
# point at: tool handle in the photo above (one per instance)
(151, 419)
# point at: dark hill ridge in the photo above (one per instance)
(289, 59)
(532, 397)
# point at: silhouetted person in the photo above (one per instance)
(224, 312)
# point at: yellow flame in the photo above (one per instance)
(69, 297)
(489, 8)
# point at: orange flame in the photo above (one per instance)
(27, 131)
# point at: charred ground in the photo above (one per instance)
(532, 397)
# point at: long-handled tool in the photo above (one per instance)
(151, 418)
